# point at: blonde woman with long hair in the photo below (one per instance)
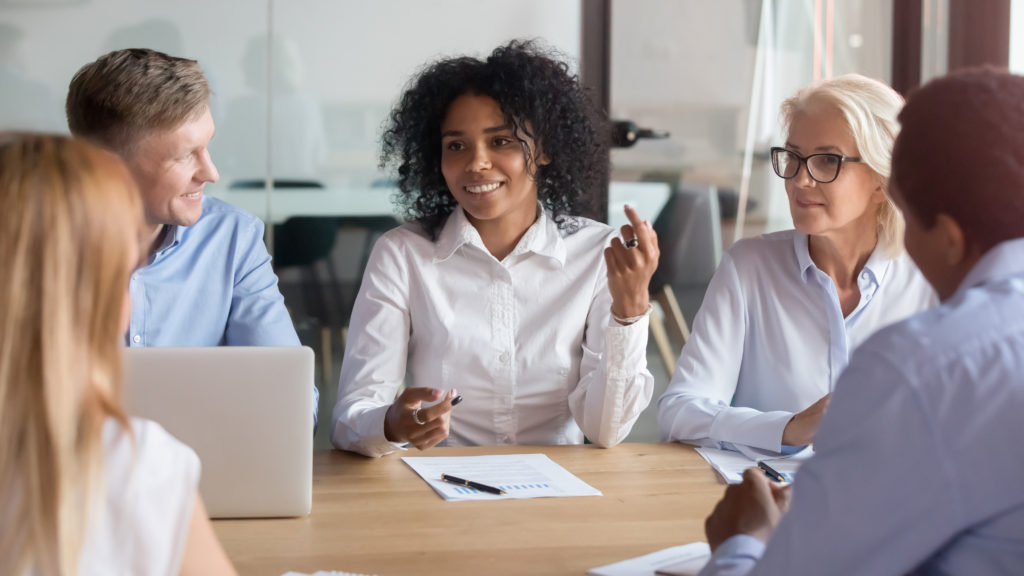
(83, 489)
(784, 311)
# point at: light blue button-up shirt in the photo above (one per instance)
(770, 339)
(210, 284)
(918, 464)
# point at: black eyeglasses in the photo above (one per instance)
(823, 168)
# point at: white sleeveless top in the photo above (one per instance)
(140, 525)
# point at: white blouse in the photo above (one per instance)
(770, 339)
(141, 524)
(529, 341)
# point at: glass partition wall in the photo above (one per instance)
(300, 91)
(302, 87)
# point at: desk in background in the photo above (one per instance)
(378, 517)
(647, 197)
(288, 202)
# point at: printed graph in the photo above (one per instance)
(509, 488)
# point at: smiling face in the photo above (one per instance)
(171, 167)
(484, 164)
(848, 203)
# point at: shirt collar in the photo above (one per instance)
(803, 255)
(171, 238)
(876, 266)
(1002, 260)
(543, 237)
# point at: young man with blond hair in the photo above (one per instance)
(206, 279)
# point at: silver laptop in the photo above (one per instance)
(247, 412)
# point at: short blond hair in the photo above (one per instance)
(870, 109)
(126, 94)
(71, 212)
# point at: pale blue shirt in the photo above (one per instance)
(918, 462)
(770, 339)
(211, 284)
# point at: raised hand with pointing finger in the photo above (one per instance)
(630, 267)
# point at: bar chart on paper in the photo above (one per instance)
(519, 475)
(508, 488)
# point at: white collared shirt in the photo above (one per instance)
(529, 342)
(770, 339)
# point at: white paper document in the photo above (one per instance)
(519, 475)
(675, 561)
(730, 465)
(325, 573)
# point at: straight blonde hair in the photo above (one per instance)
(870, 109)
(70, 213)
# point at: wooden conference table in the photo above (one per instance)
(378, 517)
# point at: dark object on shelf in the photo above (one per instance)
(625, 133)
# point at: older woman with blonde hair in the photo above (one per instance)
(785, 310)
(83, 489)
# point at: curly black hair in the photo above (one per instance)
(540, 99)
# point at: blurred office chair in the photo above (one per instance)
(690, 237)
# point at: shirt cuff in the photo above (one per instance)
(632, 319)
(735, 556)
(316, 406)
(372, 441)
(750, 427)
(626, 348)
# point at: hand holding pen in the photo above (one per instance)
(753, 507)
(408, 421)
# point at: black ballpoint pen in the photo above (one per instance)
(470, 484)
(770, 472)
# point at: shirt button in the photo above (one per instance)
(503, 357)
(136, 338)
(135, 276)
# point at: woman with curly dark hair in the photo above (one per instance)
(496, 284)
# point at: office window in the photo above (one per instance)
(689, 68)
(301, 89)
(1017, 37)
